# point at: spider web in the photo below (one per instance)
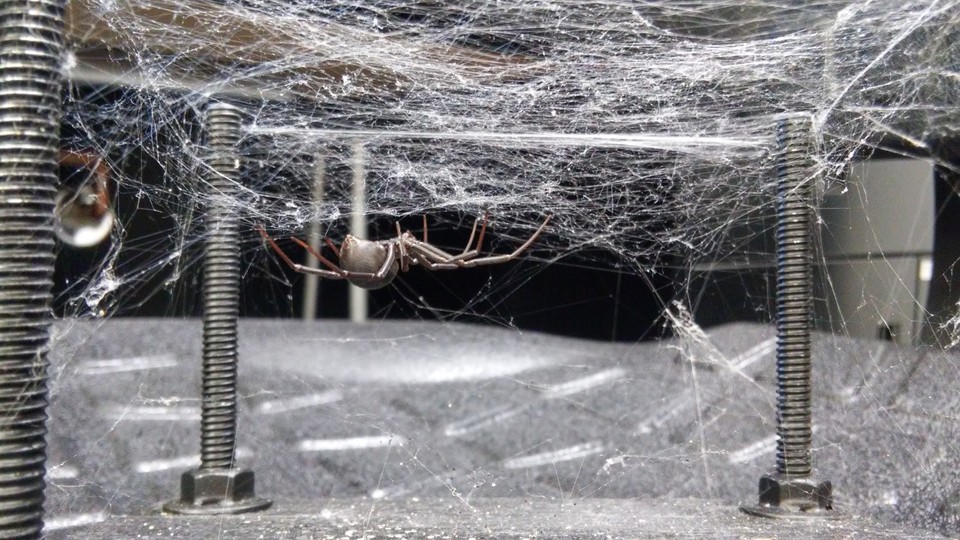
(647, 129)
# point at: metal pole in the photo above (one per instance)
(791, 491)
(358, 226)
(31, 42)
(311, 282)
(217, 487)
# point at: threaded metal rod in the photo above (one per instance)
(31, 38)
(792, 492)
(794, 294)
(221, 292)
(217, 486)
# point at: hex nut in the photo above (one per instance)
(803, 494)
(217, 491)
(791, 498)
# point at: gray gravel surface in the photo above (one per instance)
(381, 417)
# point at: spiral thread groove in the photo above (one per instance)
(221, 291)
(31, 42)
(795, 177)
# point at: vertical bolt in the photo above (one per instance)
(221, 292)
(791, 490)
(794, 299)
(217, 487)
(31, 37)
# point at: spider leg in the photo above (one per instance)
(497, 259)
(431, 261)
(434, 258)
(381, 272)
(483, 230)
(335, 274)
(439, 266)
(473, 232)
(468, 253)
(439, 256)
(333, 246)
(404, 261)
(316, 255)
(436, 261)
(420, 247)
(347, 274)
(387, 262)
(424, 228)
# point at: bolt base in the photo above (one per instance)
(216, 491)
(793, 498)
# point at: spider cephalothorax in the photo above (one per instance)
(373, 264)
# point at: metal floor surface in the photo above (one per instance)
(444, 427)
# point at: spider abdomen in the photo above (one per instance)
(366, 257)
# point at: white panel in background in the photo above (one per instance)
(358, 224)
(886, 206)
(311, 282)
(877, 233)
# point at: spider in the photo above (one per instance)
(373, 264)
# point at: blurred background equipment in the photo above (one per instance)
(84, 214)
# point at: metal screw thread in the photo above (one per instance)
(794, 297)
(31, 38)
(221, 291)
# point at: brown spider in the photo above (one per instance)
(372, 264)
